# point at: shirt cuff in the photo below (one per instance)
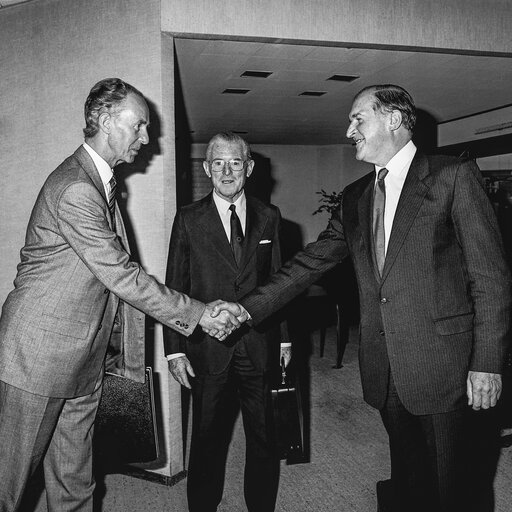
(174, 356)
(286, 344)
(249, 317)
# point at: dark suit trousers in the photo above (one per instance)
(215, 407)
(55, 431)
(428, 457)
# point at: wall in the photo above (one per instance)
(454, 24)
(51, 53)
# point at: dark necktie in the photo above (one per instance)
(112, 200)
(379, 204)
(237, 235)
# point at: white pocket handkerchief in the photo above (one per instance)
(265, 241)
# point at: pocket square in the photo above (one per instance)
(265, 241)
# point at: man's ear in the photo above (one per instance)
(105, 122)
(395, 120)
(206, 169)
(250, 167)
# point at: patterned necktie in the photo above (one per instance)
(112, 200)
(379, 204)
(237, 235)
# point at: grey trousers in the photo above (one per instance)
(55, 431)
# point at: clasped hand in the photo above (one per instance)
(221, 318)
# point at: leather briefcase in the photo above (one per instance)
(288, 419)
(125, 428)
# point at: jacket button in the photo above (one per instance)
(381, 332)
(383, 300)
(177, 322)
(106, 290)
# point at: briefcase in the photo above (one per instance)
(125, 428)
(288, 419)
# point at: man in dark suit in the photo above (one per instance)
(224, 245)
(76, 289)
(434, 292)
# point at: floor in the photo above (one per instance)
(348, 454)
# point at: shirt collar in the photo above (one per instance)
(401, 162)
(223, 205)
(103, 168)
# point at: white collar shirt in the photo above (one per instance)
(225, 213)
(397, 167)
(103, 168)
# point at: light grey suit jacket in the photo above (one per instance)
(74, 274)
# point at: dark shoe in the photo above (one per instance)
(384, 496)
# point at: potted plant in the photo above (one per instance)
(329, 202)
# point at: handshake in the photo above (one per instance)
(221, 318)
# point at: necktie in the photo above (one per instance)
(237, 235)
(379, 204)
(112, 200)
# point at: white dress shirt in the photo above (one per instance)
(397, 167)
(225, 213)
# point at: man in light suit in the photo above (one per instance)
(218, 252)
(434, 292)
(75, 289)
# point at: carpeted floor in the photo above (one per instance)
(348, 454)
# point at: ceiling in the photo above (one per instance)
(445, 86)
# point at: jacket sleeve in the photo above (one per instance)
(478, 234)
(177, 278)
(82, 221)
(301, 271)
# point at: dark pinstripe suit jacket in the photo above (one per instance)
(443, 304)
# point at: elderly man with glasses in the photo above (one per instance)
(224, 245)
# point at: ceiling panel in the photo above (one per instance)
(446, 86)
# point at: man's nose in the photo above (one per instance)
(227, 169)
(350, 130)
(144, 136)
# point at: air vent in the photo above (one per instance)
(312, 93)
(343, 78)
(256, 74)
(235, 91)
(238, 132)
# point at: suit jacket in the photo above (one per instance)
(442, 306)
(74, 270)
(202, 265)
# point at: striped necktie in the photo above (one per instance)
(379, 204)
(112, 200)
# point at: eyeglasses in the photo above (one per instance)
(236, 165)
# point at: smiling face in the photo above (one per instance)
(227, 183)
(127, 130)
(371, 130)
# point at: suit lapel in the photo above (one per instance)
(413, 192)
(88, 166)
(365, 206)
(209, 221)
(255, 224)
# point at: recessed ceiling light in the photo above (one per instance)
(343, 78)
(235, 91)
(256, 74)
(312, 93)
